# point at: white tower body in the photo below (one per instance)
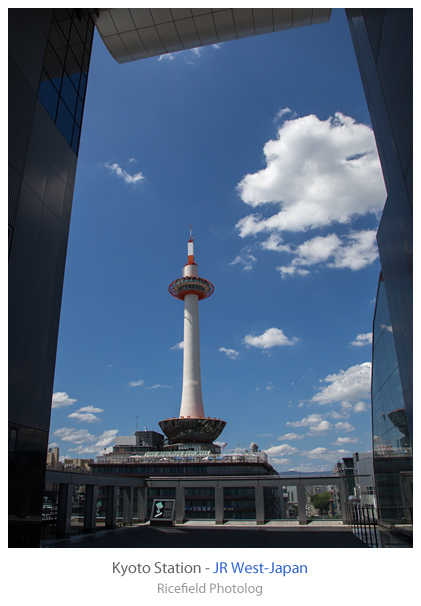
(191, 399)
(191, 429)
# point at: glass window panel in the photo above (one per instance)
(63, 14)
(52, 64)
(72, 65)
(75, 78)
(82, 85)
(382, 312)
(86, 58)
(48, 96)
(379, 366)
(64, 122)
(75, 140)
(396, 390)
(56, 37)
(64, 22)
(81, 27)
(78, 52)
(389, 348)
(74, 37)
(69, 94)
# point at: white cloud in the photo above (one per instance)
(317, 172)
(342, 441)
(321, 427)
(360, 251)
(76, 436)
(283, 112)
(245, 258)
(344, 426)
(106, 438)
(272, 337)
(158, 386)
(61, 399)
(82, 436)
(360, 407)
(275, 461)
(352, 251)
(87, 417)
(120, 172)
(281, 450)
(323, 453)
(274, 243)
(362, 339)
(312, 419)
(291, 437)
(349, 385)
(166, 57)
(230, 353)
(136, 383)
(90, 409)
(178, 345)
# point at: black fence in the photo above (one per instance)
(364, 523)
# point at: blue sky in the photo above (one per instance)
(265, 146)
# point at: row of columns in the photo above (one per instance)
(259, 502)
(91, 498)
(64, 515)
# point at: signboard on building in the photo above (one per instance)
(163, 511)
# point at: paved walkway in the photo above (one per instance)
(194, 535)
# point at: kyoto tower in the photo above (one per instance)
(192, 430)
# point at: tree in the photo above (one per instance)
(321, 501)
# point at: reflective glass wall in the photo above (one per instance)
(48, 67)
(392, 446)
(65, 72)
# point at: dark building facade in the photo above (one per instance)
(383, 44)
(49, 52)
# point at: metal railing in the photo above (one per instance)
(363, 520)
(169, 458)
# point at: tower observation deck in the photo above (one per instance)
(192, 429)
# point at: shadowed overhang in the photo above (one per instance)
(138, 33)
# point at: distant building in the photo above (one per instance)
(82, 465)
(142, 441)
(359, 473)
(364, 478)
(53, 459)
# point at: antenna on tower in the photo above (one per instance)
(191, 236)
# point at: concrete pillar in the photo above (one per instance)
(111, 507)
(282, 508)
(91, 498)
(127, 505)
(343, 495)
(301, 497)
(219, 505)
(142, 504)
(64, 514)
(259, 497)
(180, 505)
